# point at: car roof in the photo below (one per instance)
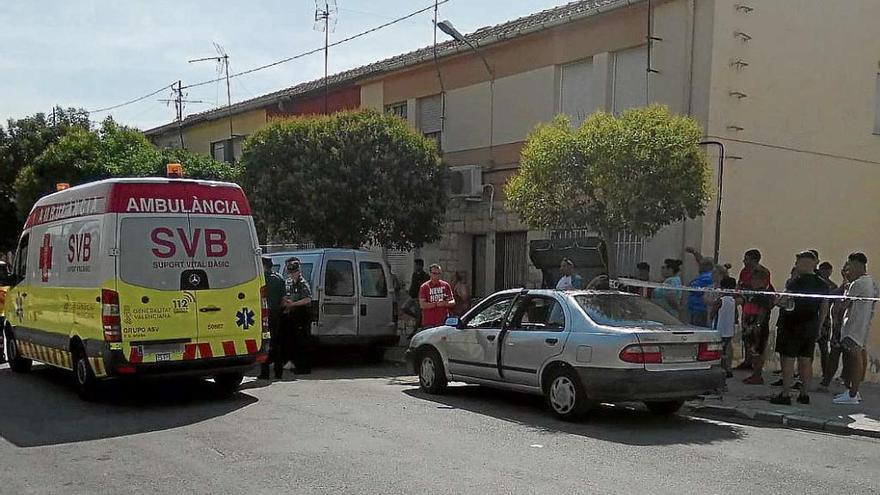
(572, 292)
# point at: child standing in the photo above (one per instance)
(725, 322)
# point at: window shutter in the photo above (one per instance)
(576, 87)
(430, 110)
(630, 84)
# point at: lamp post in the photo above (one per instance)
(450, 30)
(720, 191)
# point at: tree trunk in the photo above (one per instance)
(610, 238)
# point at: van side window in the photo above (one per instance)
(339, 278)
(373, 282)
(21, 257)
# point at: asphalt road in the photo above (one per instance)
(363, 429)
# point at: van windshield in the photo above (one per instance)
(155, 250)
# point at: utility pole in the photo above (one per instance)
(324, 10)
(179, 101)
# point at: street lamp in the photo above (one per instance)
(453, 33)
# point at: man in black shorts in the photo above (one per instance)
(756, 324)
(800, 327)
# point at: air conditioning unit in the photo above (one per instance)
(466, 181)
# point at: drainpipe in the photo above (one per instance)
(720, 191)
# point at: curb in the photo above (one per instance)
(779, 419)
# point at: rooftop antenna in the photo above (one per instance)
(325, 20)
(179, 99)
(222, 59)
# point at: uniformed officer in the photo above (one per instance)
(297, 320)
(274, 295)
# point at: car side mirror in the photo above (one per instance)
(452, 321)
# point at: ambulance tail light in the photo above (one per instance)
(264, 307)
(110, 315)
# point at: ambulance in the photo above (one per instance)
(136, 278)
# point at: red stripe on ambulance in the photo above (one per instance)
(251, 346)
(229, 348)
(189, 352)
(205, 351)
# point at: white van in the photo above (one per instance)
(136, 277)
(353, 296)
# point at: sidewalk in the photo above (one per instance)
(750, 403)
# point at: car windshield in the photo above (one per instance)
(624, 310)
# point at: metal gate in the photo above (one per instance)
(630, 249)
(511, 260)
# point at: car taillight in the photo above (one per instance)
(264, 307)
(641, 354)
(709, 351)
(110, 315)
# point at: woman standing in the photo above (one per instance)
(669, 299)
(461, 293)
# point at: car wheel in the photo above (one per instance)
(84, 379)
(566, 396)
(17, 363)
(432, 375)
(228, 383)
(664, 408)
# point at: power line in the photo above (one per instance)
(318, 50)
(129, 102)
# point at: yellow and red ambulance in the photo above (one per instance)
(139, 277)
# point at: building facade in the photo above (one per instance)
(791, 88)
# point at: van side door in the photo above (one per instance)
(339, 299)
(375, 302)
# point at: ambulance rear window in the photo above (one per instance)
(155, 250)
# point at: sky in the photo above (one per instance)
(97, 53)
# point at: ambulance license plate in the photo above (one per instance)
(163, 356)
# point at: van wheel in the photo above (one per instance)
(17, 363)
(228, 383)
(664, 408)
(566, 396)
(432, 375)
(83, 377)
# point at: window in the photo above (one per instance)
(430, 121)
(21, 257)
(227, 150)
(877, 105)
(339, 279)
(539, 313)
(621, 310)
(397, 109)
(373, 282)
(305, 269)
(492, 316)
(575, 91)
(630, 79)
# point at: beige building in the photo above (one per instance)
(790, 87)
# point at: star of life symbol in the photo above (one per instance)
(244, 318)
(45, 258)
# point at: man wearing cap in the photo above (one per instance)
(796, 340)
(856, 324)
(296, 305)
(274, 294)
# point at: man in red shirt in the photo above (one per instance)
(752, 311)
(435, 299)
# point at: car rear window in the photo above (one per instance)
(155, 250)
(622, 310)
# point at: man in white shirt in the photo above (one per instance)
(856, 324)
(725, 321)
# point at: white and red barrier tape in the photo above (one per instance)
(631, 282)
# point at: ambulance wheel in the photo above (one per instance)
(228, 383)
(84, 378)
(17, 363)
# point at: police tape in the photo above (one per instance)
(623, 282)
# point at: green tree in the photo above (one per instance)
(350, 179)
(83, 155)
(637, 172)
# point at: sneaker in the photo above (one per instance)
(798, 385)
(825, 383)
(847, 399)
(754, 380)
(777, 383)
(781, 399)
(803, 399)
(729, 374)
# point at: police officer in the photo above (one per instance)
(297, 320)
(274, 295)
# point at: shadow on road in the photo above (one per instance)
(627, 424)
(42, 407)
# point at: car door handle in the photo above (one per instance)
(363, 310)
(551, 341)
(209, 309)
(490, 338)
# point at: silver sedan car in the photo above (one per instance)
(576, 348)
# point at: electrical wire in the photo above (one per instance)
(318, 50)
(129, 102)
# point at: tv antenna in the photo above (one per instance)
(222, 59)
(179, 100)
(325, 20)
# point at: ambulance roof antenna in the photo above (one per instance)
(325, 20)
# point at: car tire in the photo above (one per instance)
(17, 363)
(664, 408)
(432, 374)
(83, 377)
(566, 396)
(228, 383)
